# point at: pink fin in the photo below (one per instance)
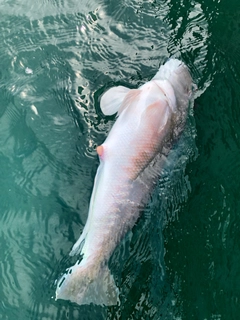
(100, 151)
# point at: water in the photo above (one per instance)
(56, 59)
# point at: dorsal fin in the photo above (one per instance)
(112, 100)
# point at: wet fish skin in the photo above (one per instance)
(149, 119)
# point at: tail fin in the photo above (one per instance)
(85, 284)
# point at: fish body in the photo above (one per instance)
(149, 119)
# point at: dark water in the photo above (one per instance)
(57, 58)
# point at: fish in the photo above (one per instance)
(149, 120)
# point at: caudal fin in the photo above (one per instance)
(85, 284)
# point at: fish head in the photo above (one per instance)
(176, 73)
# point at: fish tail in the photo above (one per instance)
(85, 283)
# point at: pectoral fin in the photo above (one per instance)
(112, 100)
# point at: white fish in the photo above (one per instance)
(149, 119)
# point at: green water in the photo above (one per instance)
(57, 58)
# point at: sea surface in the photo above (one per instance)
(182, 259)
